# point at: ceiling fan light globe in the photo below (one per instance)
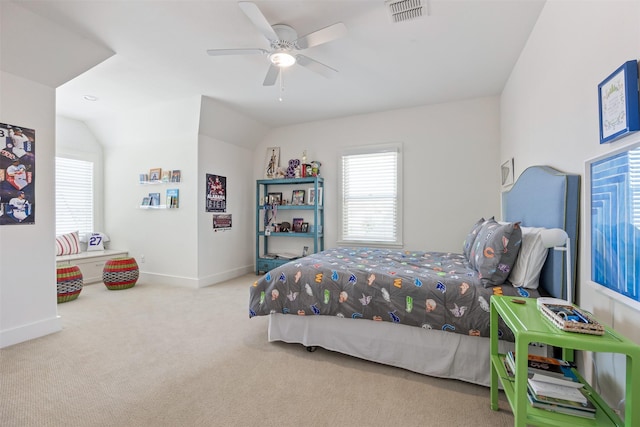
(282, 59)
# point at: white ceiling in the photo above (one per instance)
(463, 49)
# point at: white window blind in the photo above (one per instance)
(371, 197)
(74, 195)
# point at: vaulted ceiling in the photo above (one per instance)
(456, 50)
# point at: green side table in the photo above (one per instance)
(529, 325)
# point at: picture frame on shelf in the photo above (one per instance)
(297, 225)
(305, 227)
(618, 104)
(272, 162)
(154, 199)
(297, 197)
(146, 201)
(311, 200)
(166, 176)
(274, 198)
(144, 177)
(175, 176)
(155, 174)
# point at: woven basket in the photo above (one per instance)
(69, 283)
(120, 273)
(593, 327)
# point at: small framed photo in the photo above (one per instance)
(506, 172)
(311, 200)
(175, 176)
(166, 176)
(305, 227)
(297, 225)
(272, 162)
(297, 198)
(618, 103)
(154, 199)
(155, 174)
(146, 201)
(274, 198)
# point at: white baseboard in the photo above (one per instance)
(193, 282)
(28, 332)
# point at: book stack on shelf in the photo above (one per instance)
(552, 385)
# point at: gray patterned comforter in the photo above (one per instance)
(432, 290)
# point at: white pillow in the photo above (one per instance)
(533, 253)
(95, 241)
(67, 244)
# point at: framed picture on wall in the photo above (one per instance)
(506, 173)
(618, 108)
(17, 174)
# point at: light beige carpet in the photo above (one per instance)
(165, 356)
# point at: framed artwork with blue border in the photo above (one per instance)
(618, 103)
(615, 220)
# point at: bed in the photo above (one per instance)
(428, 312)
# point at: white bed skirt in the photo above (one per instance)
(430, 352)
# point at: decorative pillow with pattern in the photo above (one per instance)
(95, 242)
(495, 251)
(471, 238)
(68, 244)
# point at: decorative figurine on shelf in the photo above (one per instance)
(315, 168)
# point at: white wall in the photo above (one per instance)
(550, 116)
(74, 140)
(28, 76)
(27, 251)
(158, 136)
(451, 165)
(225, 148)
(179, 246)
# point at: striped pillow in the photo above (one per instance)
(68, 244)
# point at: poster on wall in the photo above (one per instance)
(17, 174)
(221, 221)
(216, 193)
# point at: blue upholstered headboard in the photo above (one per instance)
(545, 197)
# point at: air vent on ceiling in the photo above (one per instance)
(404, 10)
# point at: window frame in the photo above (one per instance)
(372, 149)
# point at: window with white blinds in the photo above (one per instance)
(74, 195)
(372, 197)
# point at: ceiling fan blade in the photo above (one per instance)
(249, 51)
(316, 66)
(257, 18)
(272, 76)
(323, 35)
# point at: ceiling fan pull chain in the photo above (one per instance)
(281, 85)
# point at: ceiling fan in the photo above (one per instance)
(284, 41)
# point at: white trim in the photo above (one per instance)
(30, 331)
